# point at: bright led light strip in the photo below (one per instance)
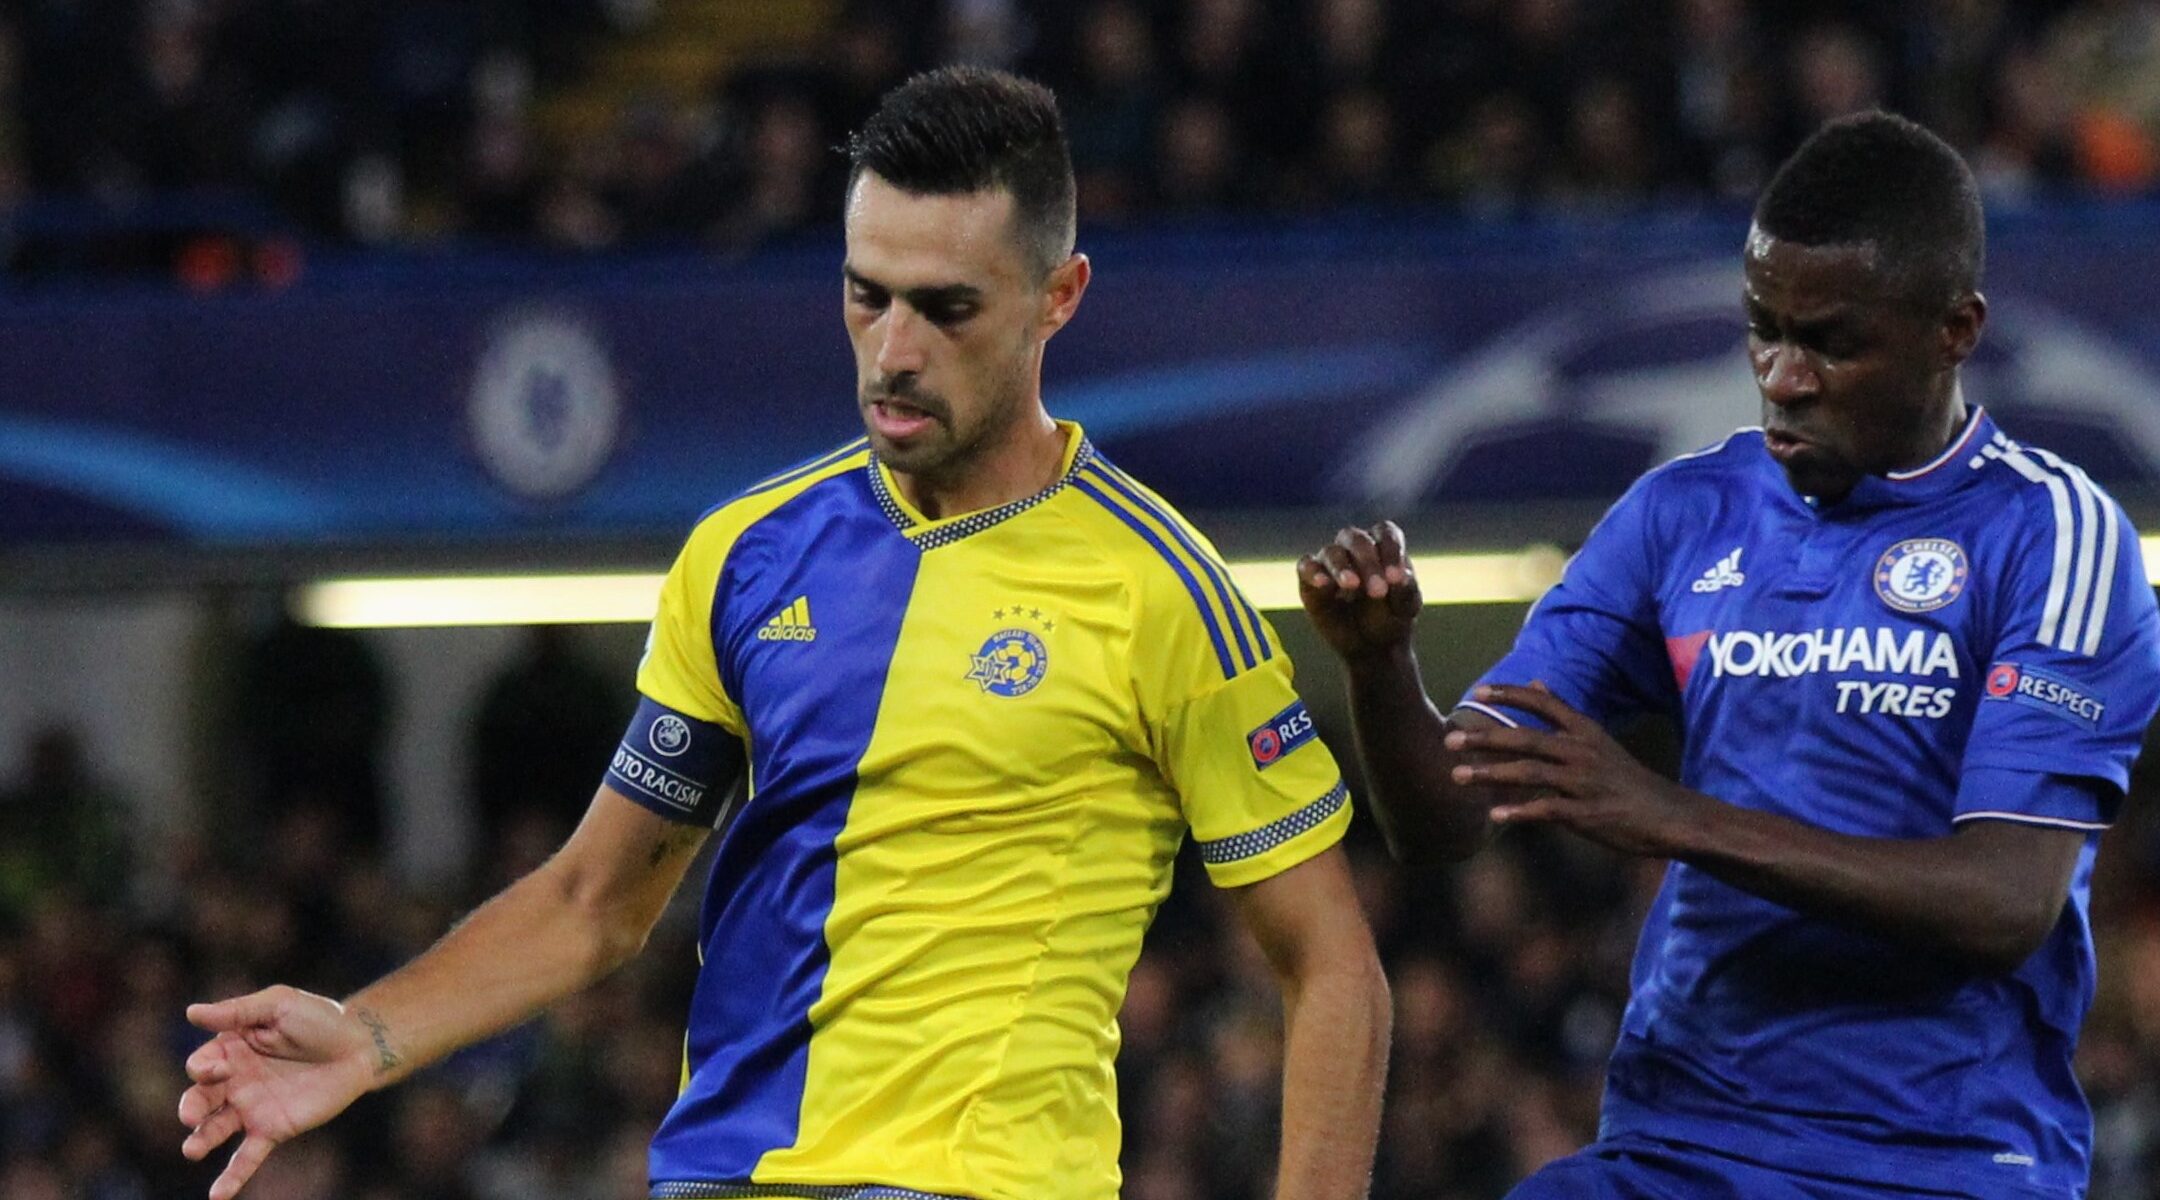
(1503, 578)
(477, 600)
(1270, 584)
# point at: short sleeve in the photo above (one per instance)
(2031, 798)
(680, 670)
(1260, 790)
(1215, 700)
(2073, 676)
(1594, 637)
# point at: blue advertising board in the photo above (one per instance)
(1387, 365)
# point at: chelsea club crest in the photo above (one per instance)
(1921, 574)
(1012, 660)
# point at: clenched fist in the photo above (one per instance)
(1361, 591)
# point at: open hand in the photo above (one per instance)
(1361, 591)
(1577, 776)
(283, 1062)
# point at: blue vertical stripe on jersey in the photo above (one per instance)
(1086, 484)
(814, 708)
(1218, 573)
(1099, 473)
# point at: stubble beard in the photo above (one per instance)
(951, 450)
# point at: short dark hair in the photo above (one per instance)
(1878, 178)
(967, 129)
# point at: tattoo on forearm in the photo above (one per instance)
(386, 1059)
(674, 843)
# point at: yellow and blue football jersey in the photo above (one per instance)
(975, 746)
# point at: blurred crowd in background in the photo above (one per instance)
(592, 124)
(1509, 973)
(589, 125)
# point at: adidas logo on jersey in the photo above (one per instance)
(1724, 575)
(792, 625)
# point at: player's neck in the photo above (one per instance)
(1022, 463)
(1936, 436)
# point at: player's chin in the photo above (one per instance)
(921, 454)
(1814, 473)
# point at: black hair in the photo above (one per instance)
(966, 129)
(1878, 178)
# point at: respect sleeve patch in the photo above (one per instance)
(1283, 734)
(681, 768)
(2048, 693)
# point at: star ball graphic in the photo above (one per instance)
(1013, 660)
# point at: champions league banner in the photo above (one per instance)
(1380, 367)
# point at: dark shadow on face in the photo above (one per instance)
(1857, 377)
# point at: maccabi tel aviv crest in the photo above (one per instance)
(1013, 660)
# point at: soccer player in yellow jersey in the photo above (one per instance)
(979, 683)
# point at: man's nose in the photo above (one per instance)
(1785, 374)
(901, 350)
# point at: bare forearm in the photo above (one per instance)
(526, 947)
(1971, 896)
(1334, 1073)
(1423, 814)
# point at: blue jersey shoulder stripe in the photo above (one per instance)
(805, 468)
(1218, 580)
(1087, 486)
(1124, 489)
(1216, 567)
(1131, 492)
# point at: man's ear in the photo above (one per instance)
(1961, 329)
(1062, 291)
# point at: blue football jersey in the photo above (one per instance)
(1972, 640)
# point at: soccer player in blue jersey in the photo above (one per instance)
(1912, 659)
(980, 684)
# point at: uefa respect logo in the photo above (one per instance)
(2049, 693)
(1281, 734)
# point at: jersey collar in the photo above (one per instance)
(929, 534)
(1958, 465)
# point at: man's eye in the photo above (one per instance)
(870, 299)
(1834, 345)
